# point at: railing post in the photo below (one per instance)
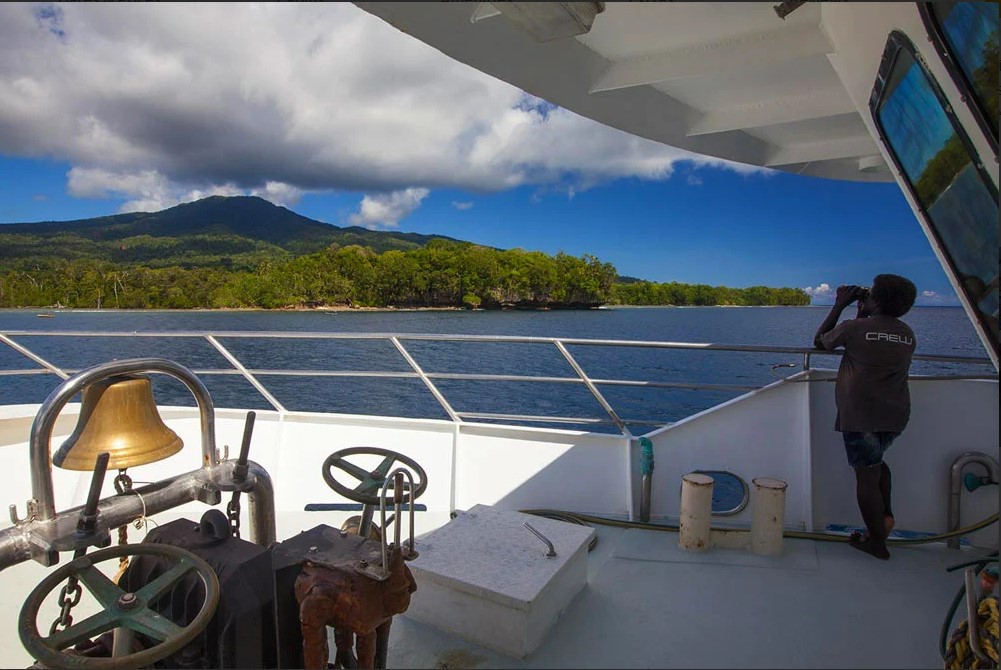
(424, 378)
(235, 362)
(593, 389)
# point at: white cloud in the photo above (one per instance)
(824, 294)
(149, 191)
(932, 298)
(279, 193)
(282, 99)
(462, 205)
(387, 210)
(822, 290)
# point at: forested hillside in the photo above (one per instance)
(247, 253)
(229, 232)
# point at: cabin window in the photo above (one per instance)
(966, 36)
(936, 160)
(730, 492)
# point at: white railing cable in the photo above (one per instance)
(542, 418)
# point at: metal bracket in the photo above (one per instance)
(32, 511)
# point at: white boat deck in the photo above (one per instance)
(650, 604)
(646, 603)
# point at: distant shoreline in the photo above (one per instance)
(344, 308)
(341, 308)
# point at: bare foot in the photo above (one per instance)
(866, 545)
(888, 522)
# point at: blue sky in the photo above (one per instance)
(106, 108)
(702, 225)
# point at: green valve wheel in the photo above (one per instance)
(370, 481)
(121, 609)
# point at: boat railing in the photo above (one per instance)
(580, 376)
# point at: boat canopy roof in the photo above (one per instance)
(745, 82)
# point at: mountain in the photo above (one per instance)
(242, 229)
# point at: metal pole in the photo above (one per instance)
(32, 538)
(956, 488)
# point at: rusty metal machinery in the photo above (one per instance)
(334, 588)
(231, 603)
(347, 580)
(119, 426)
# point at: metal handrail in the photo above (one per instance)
(579, 376)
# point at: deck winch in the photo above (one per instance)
(196, 594)
(344, 579)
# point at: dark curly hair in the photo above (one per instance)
(894, 294)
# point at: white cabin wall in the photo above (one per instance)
(785, 431)
(764, 433)
(308, 439)
(514, 468)
(948, 418)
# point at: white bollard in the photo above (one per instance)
(696, 511)
(768, 499)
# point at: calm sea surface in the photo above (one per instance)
(939, 330)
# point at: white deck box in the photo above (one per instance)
(485, 577)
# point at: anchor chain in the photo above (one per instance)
(71, 592)
(233, 514)
(66, 604)
(240, 475)
(123, 484)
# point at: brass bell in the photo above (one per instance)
(118, 415)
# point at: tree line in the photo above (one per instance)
(441, 274)
(675, 293)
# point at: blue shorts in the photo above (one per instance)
(866, 449)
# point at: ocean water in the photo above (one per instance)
(939, 330)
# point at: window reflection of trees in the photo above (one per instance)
(971, 31)
(948, 186)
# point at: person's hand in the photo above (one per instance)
(847, 294)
